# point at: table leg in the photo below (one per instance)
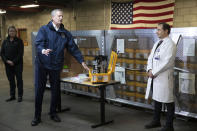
(102, 109)
(59, 104)
(59, 107)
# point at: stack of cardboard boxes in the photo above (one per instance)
(136, 52)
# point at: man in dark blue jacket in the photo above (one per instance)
(51, 41)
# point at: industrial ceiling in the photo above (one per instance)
(14, 5)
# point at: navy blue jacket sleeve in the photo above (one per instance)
(74, 50)
(40, 40)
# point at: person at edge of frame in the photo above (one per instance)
(12, 51)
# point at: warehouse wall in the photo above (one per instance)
(185, 14)
(94, 14)
(91, 15)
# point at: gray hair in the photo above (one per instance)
(53, 12)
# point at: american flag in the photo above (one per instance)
(141, 14)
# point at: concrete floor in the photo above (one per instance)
(84, 112)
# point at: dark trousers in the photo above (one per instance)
(12, 72)
(170, 112)
(40, 85)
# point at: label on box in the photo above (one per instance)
(65, 70)
(188, 47)
(120, 74)
(187, 83)
(120, 45)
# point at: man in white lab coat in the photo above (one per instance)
(160, 73)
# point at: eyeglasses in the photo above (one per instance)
(12, 31)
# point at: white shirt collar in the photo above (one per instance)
(56, 28)
(167, 37)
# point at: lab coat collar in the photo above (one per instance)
(166, 38)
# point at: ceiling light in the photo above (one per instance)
(2, 11)
(30, 6)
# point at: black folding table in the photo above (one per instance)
(102, 88)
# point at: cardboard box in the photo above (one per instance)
(71, 66)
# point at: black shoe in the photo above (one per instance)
(35, 121)
(153, 124)
(55, 118)
(20, 99)
(167, 128)
(10, 99)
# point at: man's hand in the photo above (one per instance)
(150, 74)
(85, 66)
(46, 51)
(10, 62)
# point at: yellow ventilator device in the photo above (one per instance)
(105, 77)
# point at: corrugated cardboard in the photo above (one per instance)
(74, 68)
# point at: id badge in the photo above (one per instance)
(157, 57)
